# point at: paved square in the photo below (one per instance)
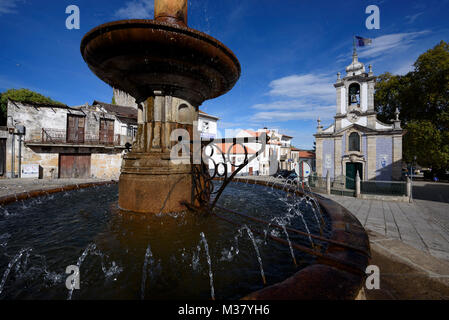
(422, 224)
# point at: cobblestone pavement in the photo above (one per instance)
(14, 186)
(422, 224)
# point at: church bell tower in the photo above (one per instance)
(355, 95)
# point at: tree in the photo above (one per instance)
(422, 97)
(22, 95)
(425, 141)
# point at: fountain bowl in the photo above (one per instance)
(143, 56)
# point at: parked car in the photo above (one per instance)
(292, 176)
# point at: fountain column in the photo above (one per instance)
(149, 181)
(170, 69)
(172, 11)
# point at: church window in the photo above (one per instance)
(354, 142)
(354, 94)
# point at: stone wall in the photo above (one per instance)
(106, 166)
(123, 99)
(105, 161)
(365, 154)
(328, 158)
(384, 161)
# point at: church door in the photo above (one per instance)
(351, 169)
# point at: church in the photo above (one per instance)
(357, 142)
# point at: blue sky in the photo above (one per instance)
(290, 51)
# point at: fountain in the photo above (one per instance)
(168, 230)
(170, 69)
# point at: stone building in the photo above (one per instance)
(66, 142)
(357, 141)
(85, 141)
(275, 156)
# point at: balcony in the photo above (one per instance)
(58, 137)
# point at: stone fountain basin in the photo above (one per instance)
(141, 56)
(325, 279)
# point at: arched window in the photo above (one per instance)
(354, 142)
(354, 94)
(184, 114)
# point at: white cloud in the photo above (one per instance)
(8, 6)
(312, 113)
(389, 43)
(136, 9)
(404, 68)
(412, 18)
(292, 110)
(307, 86)
(307, 97)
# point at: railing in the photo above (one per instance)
(54, 135)
(343, 185)
(318, 183)
(340, 185)
(59, 136)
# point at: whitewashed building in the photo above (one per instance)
(275, 156)
(207, 125)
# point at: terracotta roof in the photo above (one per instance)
(306, 154)
(236, 149)
(122, 111)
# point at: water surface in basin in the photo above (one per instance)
(125, 255)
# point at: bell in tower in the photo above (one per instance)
(354, 94)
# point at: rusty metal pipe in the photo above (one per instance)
(171, 11)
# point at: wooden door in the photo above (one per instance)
(351, 172)
(74, 166)
(75, 128)
(2, 156)
(107, 131)
(250, 171)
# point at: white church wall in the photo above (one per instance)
(364, 97)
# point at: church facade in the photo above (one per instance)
(357, 142)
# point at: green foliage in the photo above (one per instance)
(429, 144)
(22, 95)
(113, 100)
(422, 97)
